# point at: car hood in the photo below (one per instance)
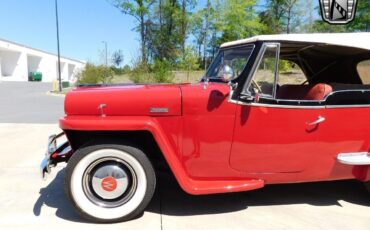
(127, 100)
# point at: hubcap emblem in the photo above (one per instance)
(109, 184)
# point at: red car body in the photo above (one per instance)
(241, 127)
(214, 146)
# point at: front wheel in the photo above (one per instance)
(109, 183)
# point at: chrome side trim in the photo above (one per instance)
(346, 90)
(299, 106)
(356, 158)
(159, 110)
(346, 106)
(284, 106)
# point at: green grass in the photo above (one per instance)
(179, 77)
(288, 77)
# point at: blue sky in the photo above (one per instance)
(84, 24)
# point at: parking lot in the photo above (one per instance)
(28, 116)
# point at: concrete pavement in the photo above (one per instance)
(28, 202)
(27, 102)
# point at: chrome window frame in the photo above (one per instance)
(255, 66)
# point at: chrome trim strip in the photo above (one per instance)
(299, 106)
(346, 106)
(356, 158)
(285, 106)
(253, 70)
(347, 90)
(159, 110)
(277, 61)
(257, 64)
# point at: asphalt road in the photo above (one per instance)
(27, 102)
(27, 202)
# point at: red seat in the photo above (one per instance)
(304, 92)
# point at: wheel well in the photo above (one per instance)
(142, 140)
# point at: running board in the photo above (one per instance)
(359, 158)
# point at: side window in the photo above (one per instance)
(290, 73)
(363, 69)
(263, 81)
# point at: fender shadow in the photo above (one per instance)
(175, 202)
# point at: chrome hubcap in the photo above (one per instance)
(109, 182)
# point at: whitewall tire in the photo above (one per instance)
(109, 183)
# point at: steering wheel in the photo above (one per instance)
(257, 86)
(306, 81)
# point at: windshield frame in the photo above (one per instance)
(221, 51)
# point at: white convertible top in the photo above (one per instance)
(356, 40)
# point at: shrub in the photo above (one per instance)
(162, 71)
(93, 74)
(140, 72)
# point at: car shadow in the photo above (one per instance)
(53, 196)
(170, 199)
(176, 202)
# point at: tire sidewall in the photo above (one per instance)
(137, 160)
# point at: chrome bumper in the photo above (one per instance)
(54, 154)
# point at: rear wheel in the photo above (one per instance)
(109, 183)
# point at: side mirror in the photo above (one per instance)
(226, 73)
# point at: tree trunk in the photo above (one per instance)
(183, 27)
(143, 39)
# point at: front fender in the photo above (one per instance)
(144, 123)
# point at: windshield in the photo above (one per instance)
(235, 58)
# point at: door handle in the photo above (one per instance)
(319, 120)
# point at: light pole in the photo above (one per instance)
(57, 22)
(106, 61)
(106, 53)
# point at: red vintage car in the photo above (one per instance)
(269, 110)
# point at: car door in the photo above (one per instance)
(277, 143)
(208, 123)
(208, 116)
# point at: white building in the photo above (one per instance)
(17, 61)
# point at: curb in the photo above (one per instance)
(51, 93)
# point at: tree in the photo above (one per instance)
(186, 7)
(165, 34)
(140, 10)
(362, 17)
(289, 7)
(273, 16)
(238, 20)
(117, 58)
(189, 61)
(283, 16)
